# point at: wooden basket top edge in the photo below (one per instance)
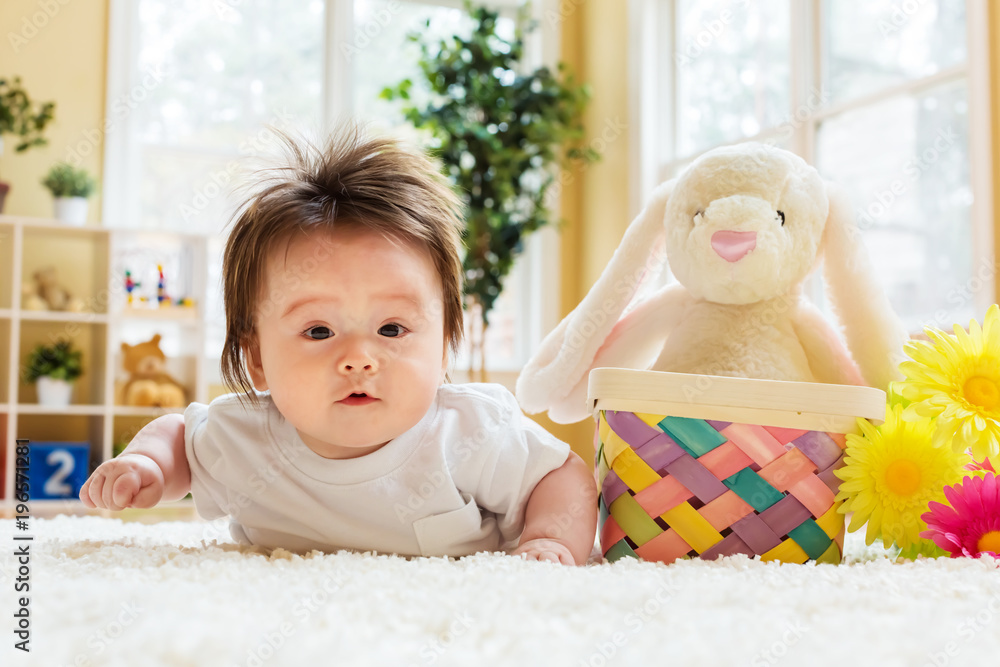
(747, 393)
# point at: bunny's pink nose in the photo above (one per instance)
(732, 246)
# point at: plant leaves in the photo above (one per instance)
(500, 130)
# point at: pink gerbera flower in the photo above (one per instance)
(976, 466)
(971, 526)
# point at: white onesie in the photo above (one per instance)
(454, 484)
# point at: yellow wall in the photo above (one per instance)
(994, 18)
(59, 49)
(595, 202)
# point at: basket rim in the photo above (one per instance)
(767, 396)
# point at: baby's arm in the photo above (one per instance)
(153, 467)
(561, 517)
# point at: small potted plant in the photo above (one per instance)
(23, 118)
(70, 186)
(54, 368)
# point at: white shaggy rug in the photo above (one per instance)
(104, 592)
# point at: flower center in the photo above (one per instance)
(989, 542)
(982, 392)
(902, 477)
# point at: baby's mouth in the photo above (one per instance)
(358, 398)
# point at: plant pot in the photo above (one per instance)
(71, 210)
(54, 393)
(705, 466)
(4, 189)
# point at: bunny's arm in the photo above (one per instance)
(635, 342)
(566, 355)
(828, 358)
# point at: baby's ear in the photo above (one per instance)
(251, 353)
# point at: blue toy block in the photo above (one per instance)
(57, 469)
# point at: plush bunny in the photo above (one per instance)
(743, 226)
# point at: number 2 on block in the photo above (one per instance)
(56, 486)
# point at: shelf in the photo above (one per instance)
(49, 503)
(90, 264)
(51, 224)
(63, 316)
(129, 411)
(5, 361)
(183, 314)
(74, 410)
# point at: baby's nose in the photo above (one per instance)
(350, 368)
(356, 357)
(356, 365)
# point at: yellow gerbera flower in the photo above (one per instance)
(955, 379)
(891, 474)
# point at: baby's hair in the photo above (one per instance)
(354, 181)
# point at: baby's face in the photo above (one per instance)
(350, 331)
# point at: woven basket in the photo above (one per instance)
(706, 466)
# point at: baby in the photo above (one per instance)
(343, 296)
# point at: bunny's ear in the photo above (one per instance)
(874, 333)
(568, 351)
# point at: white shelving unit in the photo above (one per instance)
(91, 264)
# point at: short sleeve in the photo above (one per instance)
(501, 455)
(204, 458)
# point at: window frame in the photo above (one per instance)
(537, 268)
(654, 23)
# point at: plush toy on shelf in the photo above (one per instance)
(149, 385)
(48, 294)
(743, 226)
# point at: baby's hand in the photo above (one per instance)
(130, 480)
(545, 548)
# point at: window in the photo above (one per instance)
(193, 87)
(881, 96)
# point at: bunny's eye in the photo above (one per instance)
(782, 216)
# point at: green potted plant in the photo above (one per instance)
(54, 368)
(500, 128)
(70, 186)
(23, 118)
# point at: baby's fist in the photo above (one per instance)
(130, 480)
(545, 548)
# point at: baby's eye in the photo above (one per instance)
(391, 330)
(318, 333)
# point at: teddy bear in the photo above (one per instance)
(740, 229)
(48, 294)
(149, 385)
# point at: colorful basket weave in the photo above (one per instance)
(678, 481)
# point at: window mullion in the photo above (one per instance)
(807, 51)
(912, 87)
(539, 263)
(673, 30)
(980, 152)
(338, 84)
(121, 155)
(648, 115)
(460, 4)
(802, 84)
